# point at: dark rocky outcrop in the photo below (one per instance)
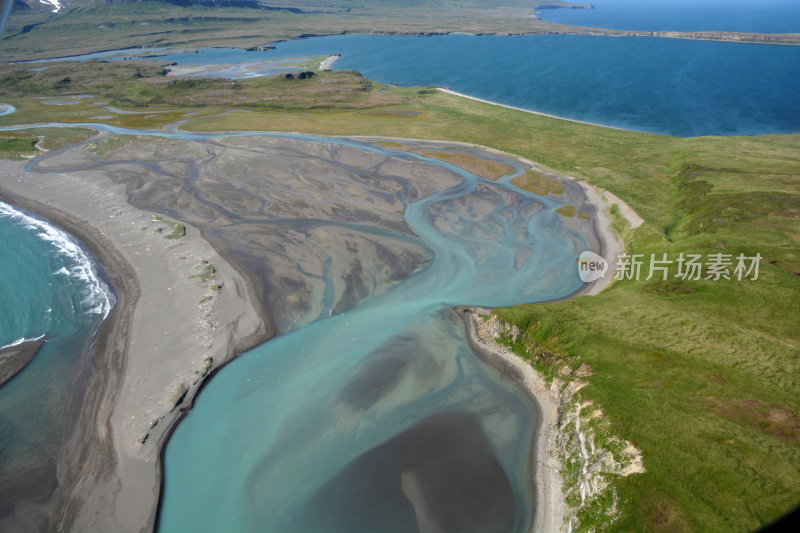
(304, 75)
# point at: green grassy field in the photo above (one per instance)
(159, 99)
(22, 144)
(702, 376)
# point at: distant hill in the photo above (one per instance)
(301, 5)
(254, 4)
(33, 31)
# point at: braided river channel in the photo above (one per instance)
(380, 417)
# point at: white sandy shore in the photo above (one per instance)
(327, 63)
(163, 346)
(462, 95)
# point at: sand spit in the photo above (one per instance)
(14, 358)
(327, 63)
(149, 348)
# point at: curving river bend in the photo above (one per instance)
(381, 418)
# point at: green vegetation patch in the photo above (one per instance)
(26, 143)
(701, 376)
(479, 166)
(179, 393)
(539, 183)
(205, 276)
(17, 146)
(567, 211)
(178, 231)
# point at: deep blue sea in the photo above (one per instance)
(669, 86)
(759, 16)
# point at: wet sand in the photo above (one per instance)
(14, 358)
(544, 469)
(109, 472)
(439, 475)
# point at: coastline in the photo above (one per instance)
(490, 102)
(109, 471)
(327, 63)
(550, 507)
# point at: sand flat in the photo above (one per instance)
(307, 203)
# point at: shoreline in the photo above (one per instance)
(16, 356)
(549, 508)
(111, 335)
(109, 468)
(327, 63)
(736, 37)
(498, 104)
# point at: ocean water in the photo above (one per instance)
(763, 16)
(52, 290)
(659, 85)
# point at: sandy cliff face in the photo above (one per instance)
(589, 455)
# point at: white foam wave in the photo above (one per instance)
(98, 299)
(21, 340)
